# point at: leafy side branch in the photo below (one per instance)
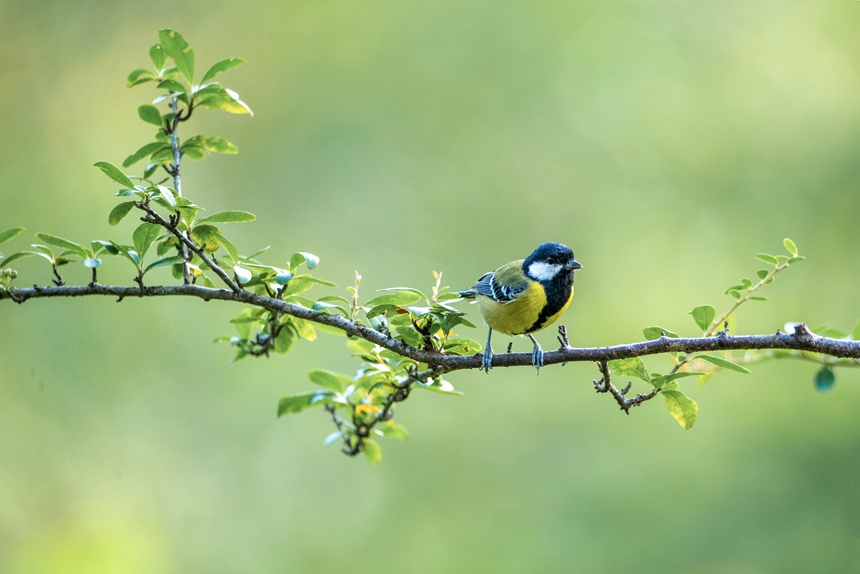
(406, 340)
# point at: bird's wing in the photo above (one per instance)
(504, 284)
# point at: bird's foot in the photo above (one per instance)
(487, 360)
(537, 358)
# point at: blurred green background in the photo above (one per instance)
(665, 142)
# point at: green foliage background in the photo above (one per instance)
(665, 143)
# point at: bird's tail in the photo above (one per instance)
(469, 293)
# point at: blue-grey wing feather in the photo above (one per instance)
(488, 286)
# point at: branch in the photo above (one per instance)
(801, 340)
(154, 217)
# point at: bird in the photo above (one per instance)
(525, 296)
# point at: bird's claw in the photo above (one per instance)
(537, 358)
(487, 360)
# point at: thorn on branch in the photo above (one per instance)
(802, 333)
(510, 346)
(563, 341)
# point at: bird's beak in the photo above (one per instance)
(574, 265)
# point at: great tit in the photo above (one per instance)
(525, 296)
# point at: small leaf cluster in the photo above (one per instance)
(69, 251)
(409, 315)
(702, 365)
(361, 406)
(7, 274)
(261, 331)
(173, 72)
(182, 219)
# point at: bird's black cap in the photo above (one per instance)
(553, 253)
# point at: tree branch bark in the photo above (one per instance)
(801, 340)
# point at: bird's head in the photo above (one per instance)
(548, 260)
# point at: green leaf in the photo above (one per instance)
(150, 115)
(167, 195)
(762, 273)
(245, 276)
(333, 437)
(164, 262)
(178, 49)
(283, 277)
(766, 258)
(63, 244)
(398, 299)
(217, 144)
(119, 212)
(683, 408)
(703, 315)
(231, 250)
(301, 283)
(300, 401)
(226, 100)
(221, 66)
(10, 234)
(657, 379)
(207, 236)
(372, 451)
(138, 77)
(724, 363)
(410, 290)
(144, 236)
(228, 217)
(790, 246)
(855, 332)
(143, 152)
(391, 429)
(171, 86)
(158, 57)
(285, 340)
(114, 173)
(198, 146)
(305, 329)
(824, 379)
(330, 380)
(461, 346)
(630, 367)
(300, 257)
(15, 257)
(652, 333)
(440, 386)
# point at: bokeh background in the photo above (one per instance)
(665, 142)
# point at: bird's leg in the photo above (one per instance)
(487, 360)
(537, 355)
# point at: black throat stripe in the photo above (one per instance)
(557, 294)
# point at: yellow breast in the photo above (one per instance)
(520, 315)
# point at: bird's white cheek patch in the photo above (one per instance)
(543, 271)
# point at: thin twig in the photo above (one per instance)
(155, 217)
